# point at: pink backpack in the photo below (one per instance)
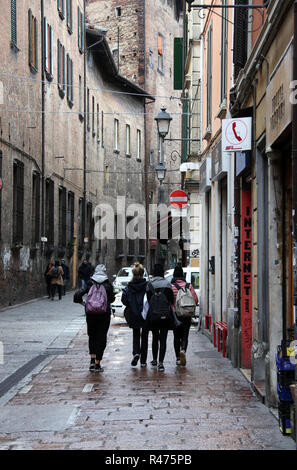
(96, 301)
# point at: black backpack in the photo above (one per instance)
(55, 273)
(159, 306)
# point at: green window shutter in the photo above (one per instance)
(36, 42)
(13, 22)
(30, 36)
(64, 78)
(59, 4)
(78, 27)
(59, 63)
(178, 64)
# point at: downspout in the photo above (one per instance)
(146, 156)
(42, 129)
(83, 222)
(294, 196)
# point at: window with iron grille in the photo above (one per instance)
(33, 41)
(35, 208)
(13, 39)
(18, 202)
(49, 212)
(70, 219)
(62, 217)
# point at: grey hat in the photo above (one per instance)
(100, 274)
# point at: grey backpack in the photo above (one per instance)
(185, 303)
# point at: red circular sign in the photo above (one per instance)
(178, 199)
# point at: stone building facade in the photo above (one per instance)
(141, 35)
(57, 143)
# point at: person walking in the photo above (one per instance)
(133, 298)
(85, 271)
(181, 334)
(48, 278)
(66, 275)
(56, 275)
(97, 307)
(160, 319)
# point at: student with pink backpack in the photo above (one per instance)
(100, 295)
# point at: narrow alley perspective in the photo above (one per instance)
(60, 405)
(148, 227)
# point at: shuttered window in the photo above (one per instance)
(70, 219)
(35, 208)
(49, 211)
(69, 79)
(224, 47)
(61, 68)
(33, 41)
(209, 77)
(18, 202)
(240, 36)
(62, 217)
(80, 29)
(48, 48)
(61, 8)
(69, 16)
(13, 23)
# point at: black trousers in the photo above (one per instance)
(159, 343)
(140, 343)
(181, 335)
(97, 328)
(53, 290)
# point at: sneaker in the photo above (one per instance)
(160, 366)
(178, 361)
(92, 365)
(154, 363)
(183, 359)
(143, 365)
(98, 368)
(135, 360)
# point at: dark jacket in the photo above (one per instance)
(85, 271)
(78, 296)
(66, 271)
(159, 283)
(132, 297)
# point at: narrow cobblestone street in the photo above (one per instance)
(207, 405)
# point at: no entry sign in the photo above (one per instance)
(178, 199)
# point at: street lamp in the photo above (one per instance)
(161, 172)
(163, 123)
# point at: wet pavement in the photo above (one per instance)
(207, 405)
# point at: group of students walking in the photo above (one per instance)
(155, 306)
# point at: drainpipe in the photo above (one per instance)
(146, 157)
(294, 192)
(42, 128)
(85, 132)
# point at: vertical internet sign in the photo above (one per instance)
(246, 279)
